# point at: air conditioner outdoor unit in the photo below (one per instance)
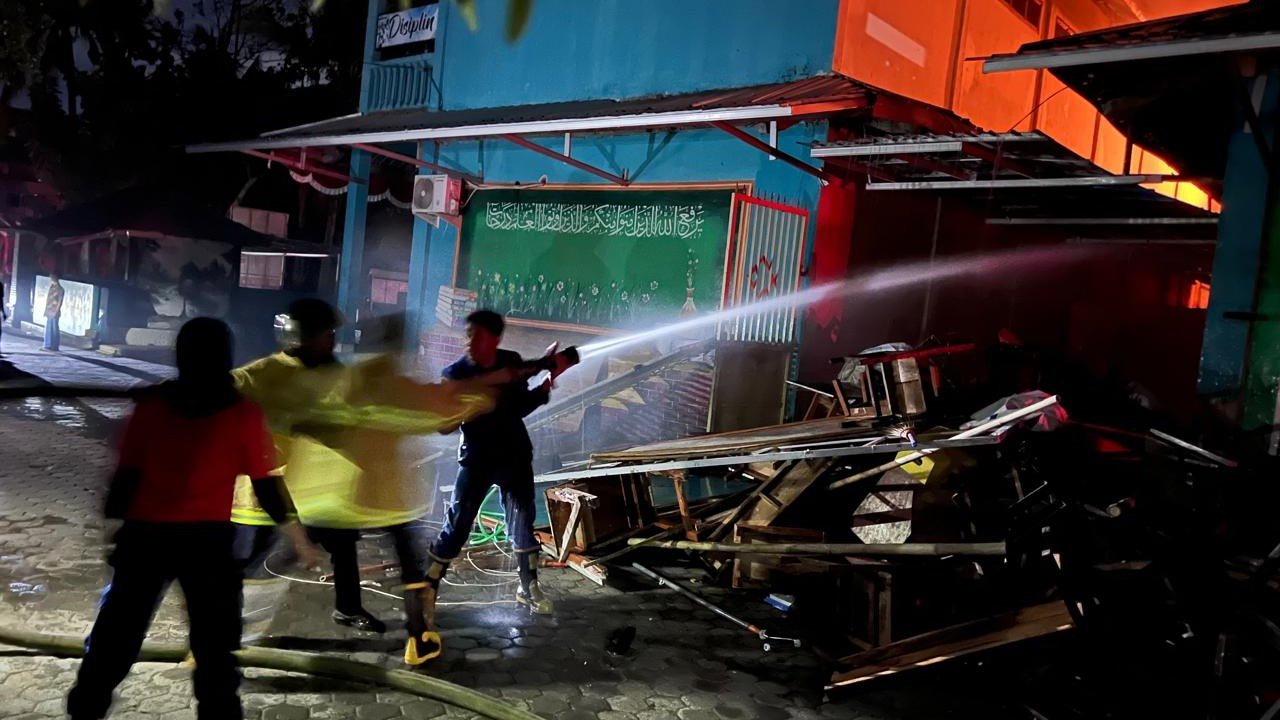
(435, 195)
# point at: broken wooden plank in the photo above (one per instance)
(787, 488)
(741, 509)
(956, 641)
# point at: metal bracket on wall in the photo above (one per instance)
(622, 180)
(409, 159)
(302, 167)
(772, 151)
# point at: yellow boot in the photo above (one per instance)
(424, 642)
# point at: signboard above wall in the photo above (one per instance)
(595, 258)
(407, 26)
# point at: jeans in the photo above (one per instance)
(52, 336)
(147, 558)
(514, 481)
(341, 546)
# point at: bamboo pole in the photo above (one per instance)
(985, 549)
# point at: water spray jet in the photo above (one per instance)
(881, 280)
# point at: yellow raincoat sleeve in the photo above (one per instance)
(361, 476)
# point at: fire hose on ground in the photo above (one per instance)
(296, 662)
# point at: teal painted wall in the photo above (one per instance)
(579, 49)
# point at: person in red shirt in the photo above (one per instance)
(182, 449)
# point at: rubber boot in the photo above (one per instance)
(424, 642)
(530, 594)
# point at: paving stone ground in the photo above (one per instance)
(684, 663)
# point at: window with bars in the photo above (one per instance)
(1030, 10)
(264, 272)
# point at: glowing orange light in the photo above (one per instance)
(1198, 295)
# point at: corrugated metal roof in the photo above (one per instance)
(1170, 85)
(1004, 156)
(1232, 21)
(814, 90)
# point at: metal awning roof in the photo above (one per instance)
(1238, 28)
(801, 98)
(1035, 176)
(1173, 85)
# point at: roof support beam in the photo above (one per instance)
(302, 167)
(935, 166)
(1123, 53)
(773, 152)
(848, 168)
(997, 159)
(944, 144)
(530, 145)
(1089, 181)
(390, 154)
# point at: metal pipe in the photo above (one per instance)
(952, 143)
(1088, 181)
(856, 446)
(975, 549)
(696, 598)
(971, 432)
(1103, 221)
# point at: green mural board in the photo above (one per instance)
(605, 258)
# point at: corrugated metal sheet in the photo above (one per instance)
(822, 89)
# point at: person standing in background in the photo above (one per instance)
(4, 309)
(52, 312)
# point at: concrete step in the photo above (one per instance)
(152, 337)
(164, 323)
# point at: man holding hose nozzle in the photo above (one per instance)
(495, 450)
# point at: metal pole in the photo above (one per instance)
(975, 549)
(696, 598)
(971, 432)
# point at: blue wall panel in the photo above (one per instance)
(587, 49)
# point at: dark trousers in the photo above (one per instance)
(341, 546)
(515, 483)
(147, 558)
(253, 547)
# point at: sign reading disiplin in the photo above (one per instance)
(407, 26)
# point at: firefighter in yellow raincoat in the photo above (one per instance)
(337, 431)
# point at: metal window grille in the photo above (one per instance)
(763, 261)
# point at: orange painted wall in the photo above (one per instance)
(931, 50)
(996, 102)
(900, 46)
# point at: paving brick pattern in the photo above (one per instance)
(684, 663)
